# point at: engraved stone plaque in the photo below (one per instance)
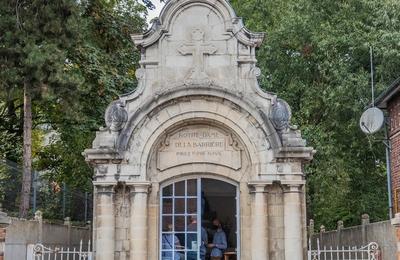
(199, 144)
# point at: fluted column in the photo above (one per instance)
(138, 220)
(293, 222)
(105, 221)
(259, 241)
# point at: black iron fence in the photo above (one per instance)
(56, 200)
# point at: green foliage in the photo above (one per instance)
(106, 59)
(316, 56)
(76, 57)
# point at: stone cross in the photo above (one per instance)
(197, 48)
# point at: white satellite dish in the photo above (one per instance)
(372, 120)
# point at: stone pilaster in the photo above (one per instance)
(138, 220)
(105, 221)
(259, 238)
(293, 222)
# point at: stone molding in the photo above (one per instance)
(292, 187)
(180, 93)
(105, 187)
(233, 24)
(139, 187)
(294, 153)
(259, 187)
(102, 155)
(293, 148)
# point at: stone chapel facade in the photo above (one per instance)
(198, 112)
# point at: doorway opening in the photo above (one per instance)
(183, 204)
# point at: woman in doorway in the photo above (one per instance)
(219, 243)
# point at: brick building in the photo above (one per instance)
(390, 101)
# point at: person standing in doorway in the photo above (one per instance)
(219, 243)
(192, 241)
(170, 243)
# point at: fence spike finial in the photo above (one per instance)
(365, 219)
(38, 215)
(322, 229)
(312, 227)
(340, 225)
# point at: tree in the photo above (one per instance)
(316, 56)
(107, 60)
(35, 43)
(69, 59)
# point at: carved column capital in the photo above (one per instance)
(139, 187)
(105, 187)
(292, 186)
(259, 187)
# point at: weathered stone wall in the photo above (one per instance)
(20, 233)
(382, 233)
(394, 134)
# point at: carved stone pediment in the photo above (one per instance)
(199, 144)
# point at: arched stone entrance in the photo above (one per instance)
(198, 112)
(201, 147)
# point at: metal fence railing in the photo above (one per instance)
(55, 200)
(40, 252)
(368, 252)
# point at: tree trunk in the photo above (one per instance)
(27, 154)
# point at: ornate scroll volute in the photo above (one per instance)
(280, 115)
(116, 116)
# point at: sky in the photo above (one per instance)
(155, 12)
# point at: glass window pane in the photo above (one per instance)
(179, 223)
(191, 206)
(167, 206)
(191, 223)
(180, 188)
(167, 191)
(167, 223)
(166, 255)
(167, 241)
(180, 255)
(191, 241)
(181, 239)
(191, 255)
(192, 187)
(179, 206)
